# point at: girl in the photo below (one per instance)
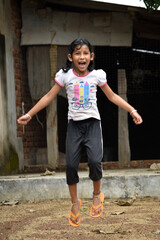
(84, 127)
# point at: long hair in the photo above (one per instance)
(78, 42)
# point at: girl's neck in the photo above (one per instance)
(81, 73)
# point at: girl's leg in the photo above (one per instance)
(96, 200)
(94, 147)
(96, 186)
(74, 199)
(73, 192)
(73, 154)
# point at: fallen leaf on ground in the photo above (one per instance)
(125, 202)
(117, 213)
(99, 231)
(10, 203)
(84, 209)
(157, 232)
(47, 172)
(22, 176)
(116, 231)
(31, 210)
(155, 166)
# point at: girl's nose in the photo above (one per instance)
(81, 56)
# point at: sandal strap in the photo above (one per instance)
(73, 204)
(95, 208)
(75, 216)
(96, 195)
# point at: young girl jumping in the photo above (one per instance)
(84, 126)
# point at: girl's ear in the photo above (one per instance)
(92, 56)
(70, 57)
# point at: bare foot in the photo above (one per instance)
(96, 202)
(75, 209)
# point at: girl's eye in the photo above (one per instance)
(78, 53)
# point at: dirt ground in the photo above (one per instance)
(49, 220)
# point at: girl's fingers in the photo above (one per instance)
(137, 120)
(23, 120)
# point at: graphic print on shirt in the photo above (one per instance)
(81, 96)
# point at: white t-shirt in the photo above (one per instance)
(81, 92)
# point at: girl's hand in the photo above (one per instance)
(23, 120)
(136, 118)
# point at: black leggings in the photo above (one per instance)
(85, 133)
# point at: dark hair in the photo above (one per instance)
(78, 42)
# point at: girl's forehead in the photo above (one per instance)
(81, 47)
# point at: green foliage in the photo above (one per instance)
(152, 4)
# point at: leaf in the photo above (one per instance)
(126, 202)
(152, 4)
(116, 231)
(157, 232)
(10, 203)
(31, 210)
(155, 166)
(117, 213)
(84, 209)
(47, 172)
(99, 231)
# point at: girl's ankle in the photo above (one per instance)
(96, 195)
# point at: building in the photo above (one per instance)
(34, 36)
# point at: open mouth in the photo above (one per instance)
(82, 64)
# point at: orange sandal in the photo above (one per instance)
(101, 197)
(75, 217)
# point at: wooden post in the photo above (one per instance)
(4, 152)
(123, 135)
(52, 141)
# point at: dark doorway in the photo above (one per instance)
(143, 93)
(110, 59)
(143, 85)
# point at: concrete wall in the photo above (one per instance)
(46, 26)
(11, 156)
(115, 184)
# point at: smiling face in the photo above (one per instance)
(81, 58)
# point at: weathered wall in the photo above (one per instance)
(46, 26)
(3, 105)
(32, 136)
(11, 156)
(17, 144)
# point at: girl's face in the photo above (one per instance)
(81, 58)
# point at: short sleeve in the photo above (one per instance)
(102, 78)
(59, 78)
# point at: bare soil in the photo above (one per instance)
(49, 220)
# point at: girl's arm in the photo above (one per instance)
(42, 103)
(120, 102)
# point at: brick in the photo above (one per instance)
(18, 76)
(33, 136)
(19, 134)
